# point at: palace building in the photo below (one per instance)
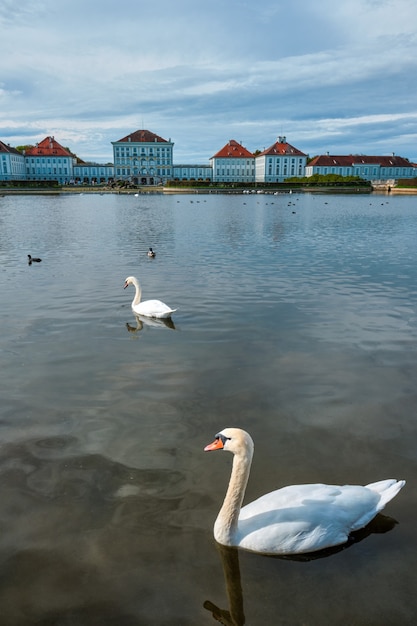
(12, 163)
(373, 168)
(279, 162)
(144, 158)
(233, 164)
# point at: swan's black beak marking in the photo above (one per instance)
(218, 443)
(222, 438)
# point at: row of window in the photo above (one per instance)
(135, 151)
(285, 170)
(194, 173)
(47, 160)
(144, 162)
(363, 171)
(232, 172)
(126, 171)
(235, 162)
(48, 170)
(285, 160)
(13, 157)
(14, 167)
(89, 172)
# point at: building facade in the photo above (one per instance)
(48, 160)
(12, 163)
(143, 158)
(93, 173)
(192, 172)
(279, 162)
(233, 164)
(372, 168)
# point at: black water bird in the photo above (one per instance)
(33, 260)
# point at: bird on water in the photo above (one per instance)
(32, 259)
(295, 519)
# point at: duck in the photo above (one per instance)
(296, 519)
(148, 308)
(151, 253)
(33, 259)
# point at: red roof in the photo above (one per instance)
(5, 148)
(282, 147)
(48, 147)
(143, 136)
(233, 149)
(328, 160)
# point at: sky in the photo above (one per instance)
(337, 77)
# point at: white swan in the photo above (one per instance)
(149, 308)
(295, 519)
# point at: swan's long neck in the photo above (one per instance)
(138, 294)
(225, 526)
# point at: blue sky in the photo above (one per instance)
(338, 77)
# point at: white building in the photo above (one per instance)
(48, 160)
(375, 168)
(233, 164)
(192, 172)
(12, 163)
(279, 162)
(93, 173)
(143, 158)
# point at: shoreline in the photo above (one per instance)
(205, 190)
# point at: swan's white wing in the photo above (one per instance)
(153, 308)
(305, 518)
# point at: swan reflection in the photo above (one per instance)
(142, 321)
(234, 615)
(231, 570)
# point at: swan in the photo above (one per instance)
(151, 253)
(149, 308)
(296, 519)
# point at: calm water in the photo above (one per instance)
(297, 320)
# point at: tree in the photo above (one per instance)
(24, 148)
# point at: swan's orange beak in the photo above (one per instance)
(216, 445)
(125, 285)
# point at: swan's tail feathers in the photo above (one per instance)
(387, 489)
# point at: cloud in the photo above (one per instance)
(326, 75)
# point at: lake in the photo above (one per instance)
(296, 320)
